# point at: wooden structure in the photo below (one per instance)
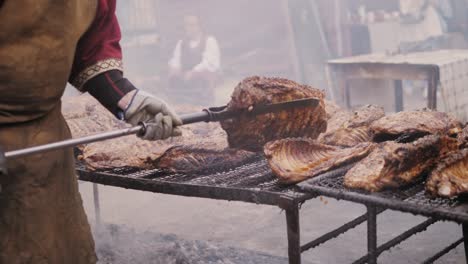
(445, 71)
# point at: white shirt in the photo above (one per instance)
(211, 57)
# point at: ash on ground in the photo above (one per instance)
(118, 244)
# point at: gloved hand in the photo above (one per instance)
(161, 121)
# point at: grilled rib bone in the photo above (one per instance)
(295, 160)
(394, 164)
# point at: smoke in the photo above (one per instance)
(122, 245)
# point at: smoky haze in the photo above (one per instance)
(277, 38)
(255, 38)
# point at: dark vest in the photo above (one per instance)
(191, 57)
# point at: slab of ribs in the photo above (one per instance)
(294, 160)
(253, 133)
(390, 151)
(393, 164)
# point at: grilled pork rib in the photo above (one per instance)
(253, 133)
(413, 124)
(450, 178)
(394, 164)
(356, 129)
(295, 160)
(195, 158)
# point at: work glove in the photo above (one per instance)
(160, 120)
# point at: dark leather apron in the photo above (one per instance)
(41, 213)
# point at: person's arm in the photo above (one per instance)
(97, 69)
(211, 59)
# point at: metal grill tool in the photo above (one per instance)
(212, 114)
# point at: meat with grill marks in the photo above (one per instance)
(253, 133)
(413, 125)
(295, 160)
(463, 138)
(393, 164)
(450, 178)
(184, 159)
(356, 129)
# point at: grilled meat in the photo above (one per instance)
(413, 125)
(463, 138)
(253, 133)
(131, 151)
(394, 164)
(356, 129)
(450, 178)
(295, 160)
(185, 159)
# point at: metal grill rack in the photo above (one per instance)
(412, 199)
(254, 182)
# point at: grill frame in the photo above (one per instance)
(411, 199)
(243, 186)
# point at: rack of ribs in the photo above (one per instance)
(295, 160)
(413, 125)
(183, 159)
(450, 178)
(393, 164)
(253, 133)
(355, 129)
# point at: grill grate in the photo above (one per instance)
(253, 177)
(412, 199)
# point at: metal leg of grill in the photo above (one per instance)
(398, 96)
(294, 241)
(372, 234)
(97, 206)
(465, 239)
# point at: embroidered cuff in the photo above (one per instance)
(94, 70)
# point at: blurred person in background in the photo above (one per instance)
(42, 46)
(194, 66)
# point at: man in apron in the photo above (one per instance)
(44, 44)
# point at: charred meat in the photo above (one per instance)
(295, 160)
(393, 164)
(450, 178)
(463, 138)
(132, 151)
(413, 125)
(184, 159)
(356, 129)
(253, 133)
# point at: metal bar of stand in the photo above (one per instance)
(293, 230)
(397, 240)
(372, 234)
(97, 206)
(398, 95)
(465, 239)
(443, 252)
(335, 233)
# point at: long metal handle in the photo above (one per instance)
(73, 142)
(207, 115)
(186, 119)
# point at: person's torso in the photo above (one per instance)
(191, 56)
(37, 47)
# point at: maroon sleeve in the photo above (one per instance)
(98, 50)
